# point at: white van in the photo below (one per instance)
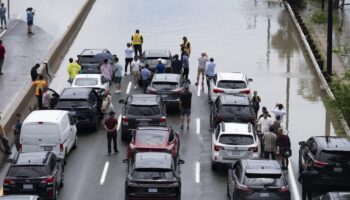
(49, 130)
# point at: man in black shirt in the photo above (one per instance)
(306, 178)
(33, 72)
(176, 65)
(186, 98)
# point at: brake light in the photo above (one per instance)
(177, 90)
(151, 90)
(8, 181)
(125, 119)
(218, 91)
(218, 148)
(245, 92)
(242, 188)
(20, 147)
(48, 180)
(253, 149)
(319, 164)
(61, 147)
(283, 189)
(162, 120)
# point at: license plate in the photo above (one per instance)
(27, 186)
(47, 148)
(264, 195)
(73, 112)
(152, 190)
(234, 153)
(338, 169)
(143, 123)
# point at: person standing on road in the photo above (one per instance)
(264, 110)
(34, 72)
(30, 20)
(202, 63)
(106, 72)
(276, 125)
(210, 70)
(39, 84)
(135, 70)
(118, 75)
(306, 177)
(264, 123)
(279, 111)
(73, 69)
(137, 41)
(185, 102)
(269, 140)
(283, 148)
(107, 104)
(4, 139)
(185, 47)
(160, 67)
(3, 15)
(128, 57)
(17, 131)
(176, 65)
(2, 56)
(146, 76)
(46, 99)
(110, 126)
(256, 103)
(186, 66)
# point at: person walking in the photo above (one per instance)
(283, 148)
(137, 41)
(107, 105)
(128, 57)
(256, 103)
(46, 102)
(264, 123)
(176, 65)
(118, 75)
(269, 140)
(185, 47)
(73, 69)
(160, 67)
(276, 125)
(3, 16)
(17, 131)
(4, 139)
(30, 20)
(210, 70)
(110, 126)
(185, 103)
(106, 72)
(146, 76)
(186, 66)
(39, 84)
(2, 56)
(306, 178)
(279, 111)
(135, 70)
(34, 72)
(202, 63)
(264, 110)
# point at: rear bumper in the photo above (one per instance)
(256, 195)
(42, 194)
(133, 196)
(334, 181)
(220, 160)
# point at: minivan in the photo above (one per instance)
(49, 130)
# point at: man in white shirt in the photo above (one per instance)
(202, 63)
(279, 111)
(135, 70)
(128, 57)
(264, 123)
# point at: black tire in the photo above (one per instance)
(65, 158)
(56, 197)
(75, 145)
(214, 166)
(62, 178)
(212, 123)
(124, 134)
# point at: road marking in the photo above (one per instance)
(119, 121)
(20, 16)
(3, 33)
(293, 182)
(1, 192)
(198, 171)
(104, 173)
(199, 90)
(198, 128)
(128, 88)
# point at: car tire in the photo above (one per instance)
(211, 121)
(56, 197)
(124, 134)
(62, 178)
(75, 145)
(214, 166)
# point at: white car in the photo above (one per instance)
(89, 81)
(233, 141)
(228, 83)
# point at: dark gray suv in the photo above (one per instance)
(150, 58)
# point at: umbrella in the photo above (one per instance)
(104, 55)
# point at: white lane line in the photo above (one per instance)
(198, 128)
(3, 33)
(104, 173)
(198, 172)
(293, 182)
(20, 16)
(199, 90)
(128, 88)
(119, 121)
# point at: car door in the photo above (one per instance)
(72, 131)
(308, 151)
(54, 169)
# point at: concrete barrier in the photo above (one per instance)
(26, 100)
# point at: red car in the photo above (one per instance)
(153, 138)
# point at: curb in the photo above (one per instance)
(324, 85)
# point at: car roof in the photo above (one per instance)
(88, 76)
(31, 158)
(236, 128)
(52, 116)
(333, 143)
(75, 93)
(157, 53)
(144, 99)
(231, 76)
(234, 99)
(92, 52)
(167, 77)
(159, 160)
(18, 197)
(261, 166)
(339, 195)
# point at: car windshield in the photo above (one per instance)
(229, 110)
(153, 173)
(233, 139)
(86, 81)
(151, 137)
(334, 156)
(265, 180)
(164, 85)
(231, 84)
(144, 110)
(69, 103)
(28, 171)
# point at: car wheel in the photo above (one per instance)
(75, 145)
(56, 194)
(124, 134)
(211, 121)
(227, 190)
(214, 166)
(62, 178)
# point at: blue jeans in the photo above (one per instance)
(3, 21)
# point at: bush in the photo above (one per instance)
(319, 17)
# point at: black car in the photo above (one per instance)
(153, 175)
(36, 173)
(90, 68)
(168, 86)
(93, 56)
(83, 103)
(257, 179)
(21, 197)
(330, 157)
(334, 196)
(151, 57)
(231, 108)
(141, 110)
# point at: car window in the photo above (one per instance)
(154, 174)
(233, 139)
(232, 84)
(28, 171)
(334, 156)
(150, 137)
(144, 110)
(86, 81)
(165, 85)
(235, 110)
(259, 179)
(72, 103)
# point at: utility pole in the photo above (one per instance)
(329, 37)
(8, 9)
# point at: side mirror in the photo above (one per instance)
(302, 143)
(75, 120)
(181, 162)
(122, 101)
(126, 161)
(250, 79)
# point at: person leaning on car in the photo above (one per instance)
(306, 177)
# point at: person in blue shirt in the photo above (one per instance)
(146, 76)
(210, 70)
(160, 67)
(30, 19)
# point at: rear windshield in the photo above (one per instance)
(86, 81)
(72, 103)
(164, 85)
(235, 110)
(150, 137)
(153, 174)
(144, 110)
(231, 139)
(334, 156)
(28, 171)
(232, 84)
(266, 180)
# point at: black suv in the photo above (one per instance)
(83, 103)
(90, 60)
(330, 157)
(257, 179)
(141, 110)
(150, 57)
(231, 108)
(37, 173)
(153, 175)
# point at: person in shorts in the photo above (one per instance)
(118, 71)
(135, 70)
(185, 100)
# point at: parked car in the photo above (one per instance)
(141, 110)
(20, 197)
(89, 81)
(154, 138)
(150, 57)
(168, 86)
(90, 68)
(84, 104)
(231, 108)
(88, 56)
(153, 175)
(49, 130)
(257, 179)
(228, 83)
(232, 141)
(36, 173)
(334, 196)
(331, 158)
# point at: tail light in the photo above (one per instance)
(283, 189)
(319, 164)
(218, 148)
(8, 181)
(151, 90)
(177, 90)
(61, 147)
(245, 92)
(162, 120)
(253, 149)
(125, 119)
(242, 188)
(48, 180)
(218, 91)
(20, 147)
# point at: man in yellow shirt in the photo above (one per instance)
(73, 69)
(39, 84)
(137, 41)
